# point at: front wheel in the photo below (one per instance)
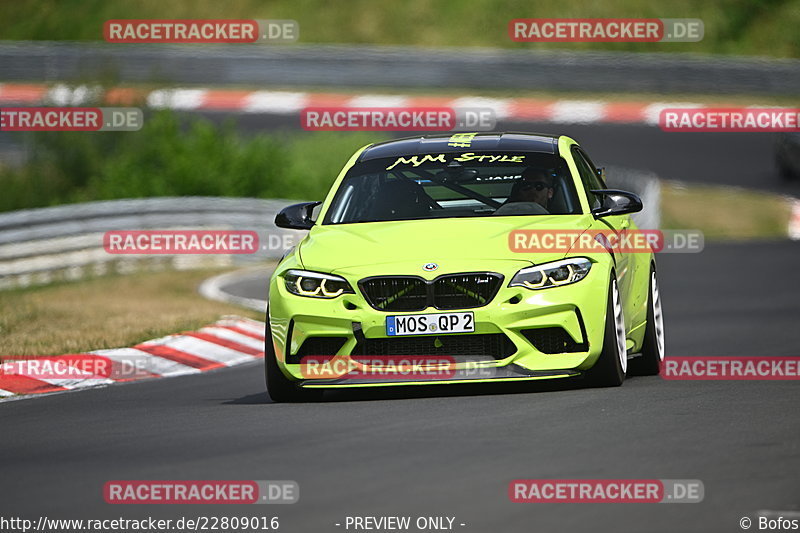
(279, 387)
(611, 366)
(649, 363)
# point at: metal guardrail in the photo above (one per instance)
(38, 246)
(396, 66)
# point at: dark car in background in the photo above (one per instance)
(787, 155)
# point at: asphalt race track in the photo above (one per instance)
(447, 451)
(739, 159)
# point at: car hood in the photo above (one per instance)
(329, 248)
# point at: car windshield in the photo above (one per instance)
(472, 184)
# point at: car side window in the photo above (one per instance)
(597, 173)
(589, 176)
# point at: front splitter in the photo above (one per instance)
(481, 375)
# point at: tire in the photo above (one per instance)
(611, 366)
(649, 363)
(279, 387)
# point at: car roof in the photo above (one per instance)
(462, 142)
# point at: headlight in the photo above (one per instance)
(315, 284)
(552, 274)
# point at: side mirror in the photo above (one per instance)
(617, 203)
(297, 216)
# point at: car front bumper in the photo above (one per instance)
(577, 309)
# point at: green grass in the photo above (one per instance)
(171, 156)
(724, 213)
(747, 27)
(114, 311)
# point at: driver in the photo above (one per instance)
(535, 186)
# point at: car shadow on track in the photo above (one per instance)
(432, 391)
(250, 399)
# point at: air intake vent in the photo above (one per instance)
(450, 291)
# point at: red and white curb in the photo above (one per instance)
(228, 342)
(794, 221)
(290, 102)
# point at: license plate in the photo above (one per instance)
(434, 324)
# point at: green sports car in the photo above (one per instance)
(462, 258)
